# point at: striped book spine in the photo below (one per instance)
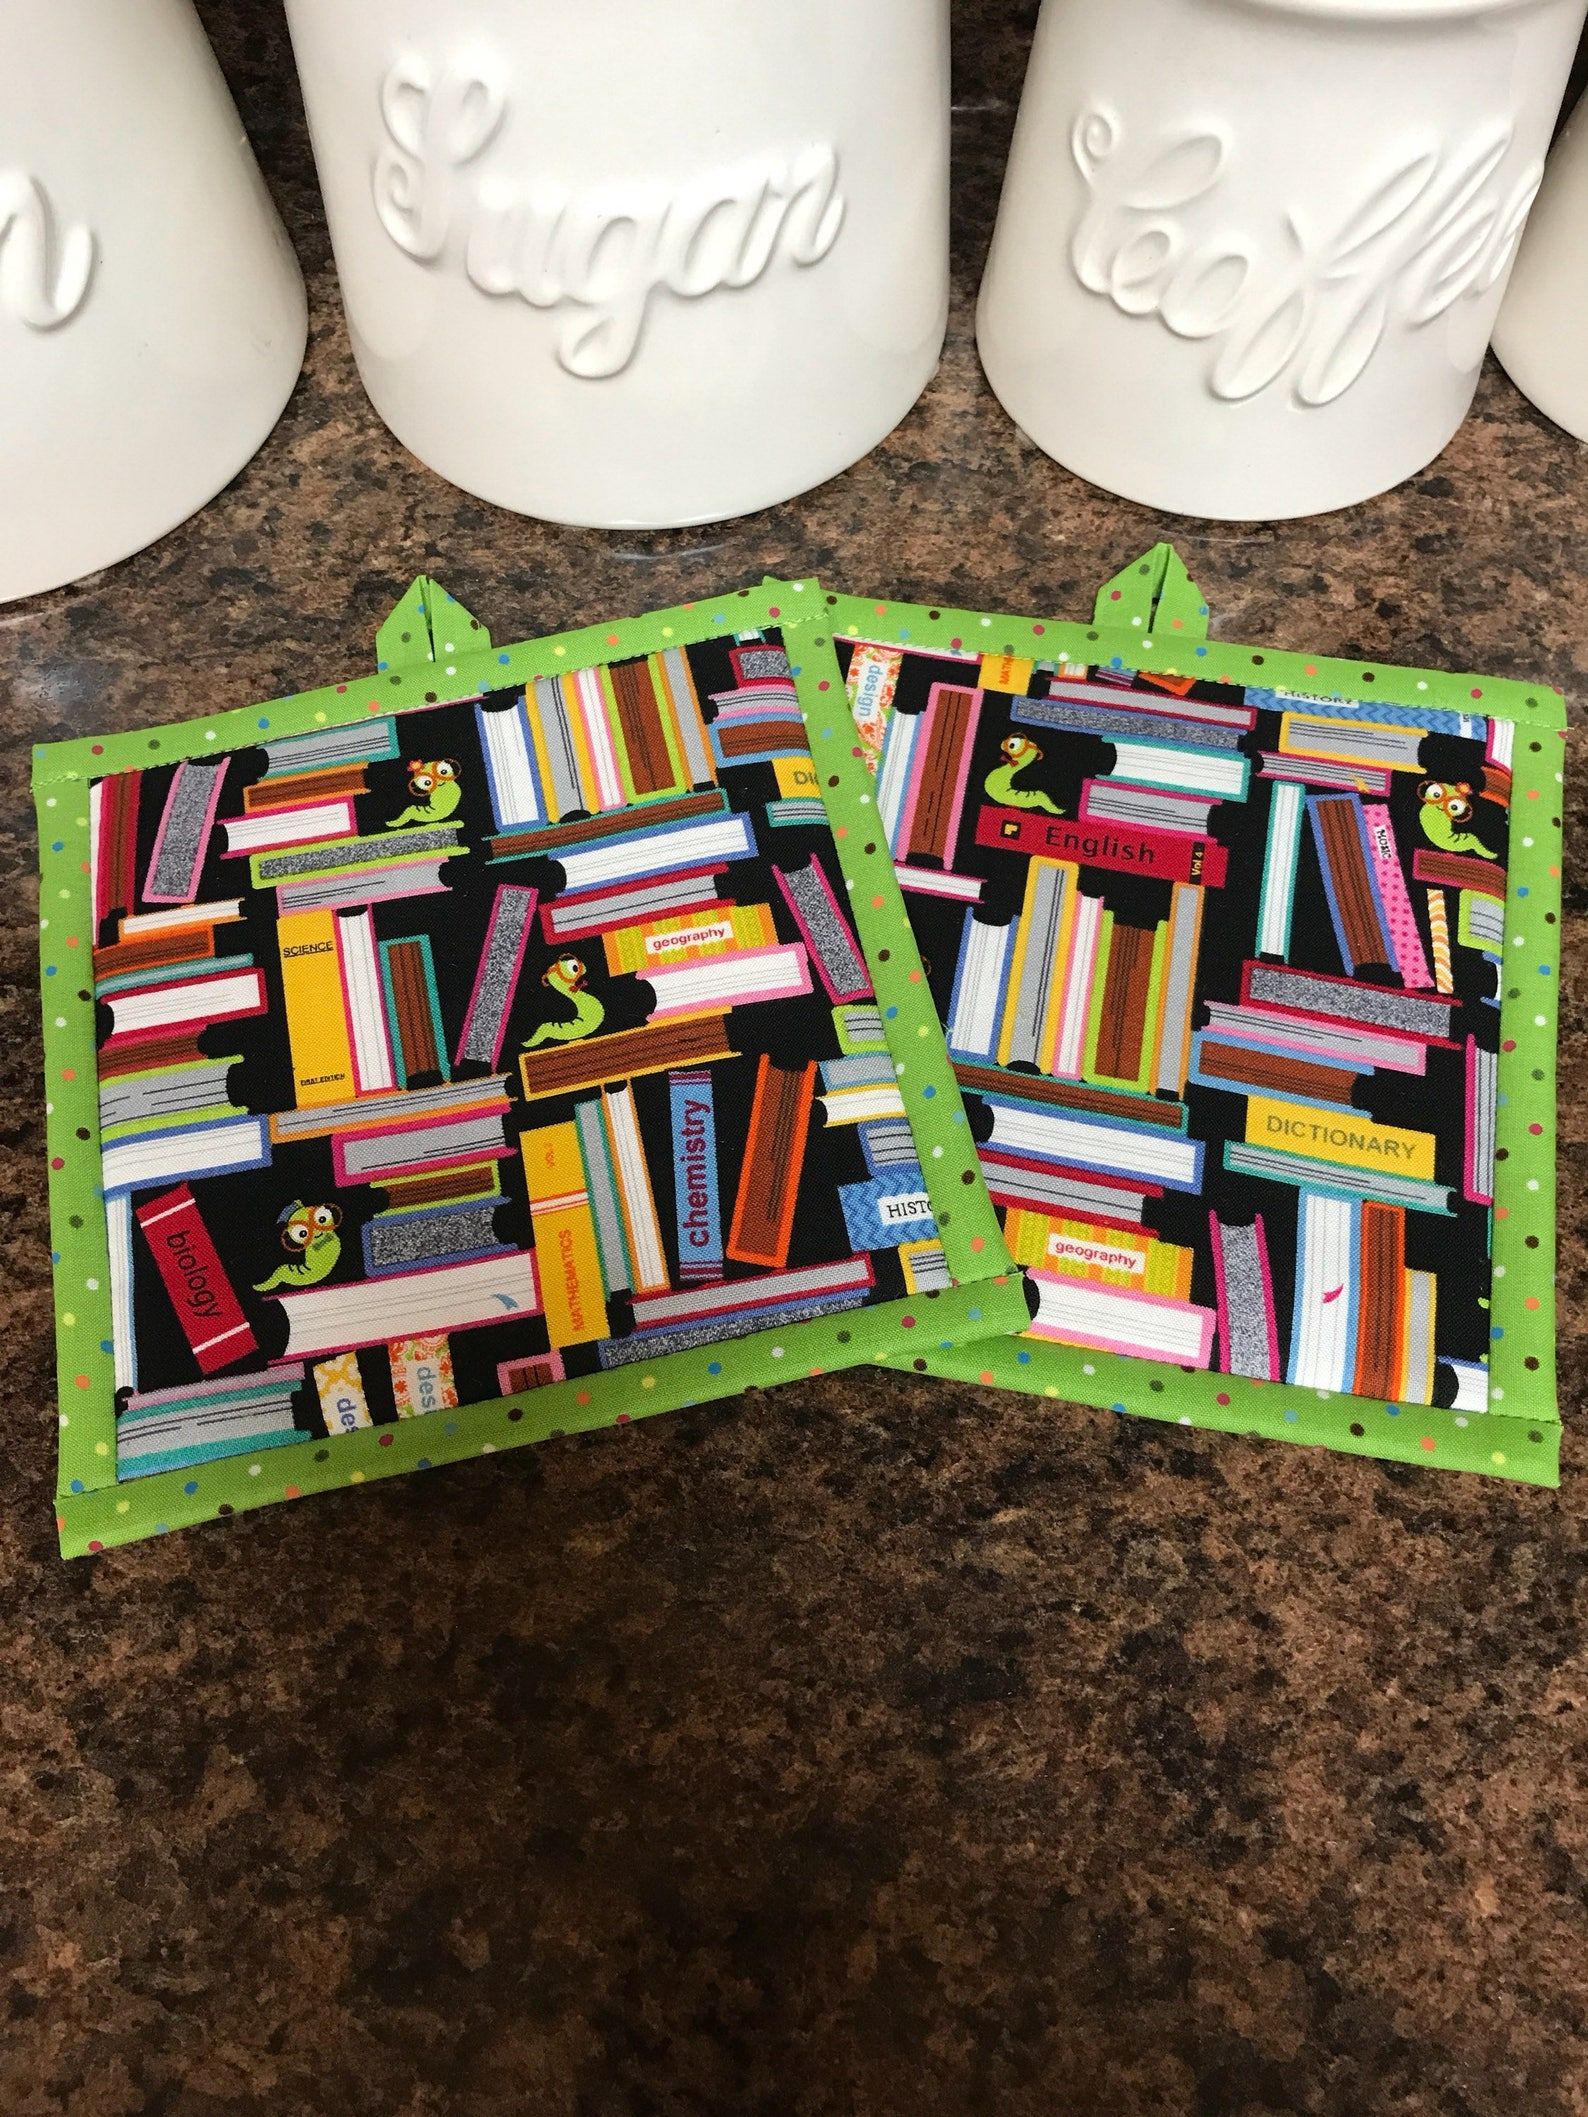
(601, 778)
(200, 1422)
(509, 753)
(1318, 772)
(1381, 1281)
(1323, 1324)
(385, 1150)
(1051, 1187)
(1247, 1066)
(1129, 1105)
(1150, 808)
(1276, 905)
(1335, 1043)
(774, 1160)
(895, 776)
(617, 1270)
(1439, 942)
(1482, 1098)
(1120, 1320)
(1147, 1155)
(636, 1195)
(1458, 871)
(651, 761)
(1419, 1315)
(1307, 1172)
(552, 743)
(1177, 996)
(1224, 774)
(354, 744)
(979, 980)
(1080, 971)
(576, 917)
(744, 978)
(1351, 742)
(627, 1054)
(123, 1324)
(341, 1315)
(1395, 898)
(1339, 831)
(363, 995)
(1045, 916)
(935, 803)
(806, 1286)
(344, 782)
(1123, 1051)
(675, 688)
(413, 1011)
(113, 843)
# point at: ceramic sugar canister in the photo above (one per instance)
(1250, 252)
(1542, 334)
(632, 265)
(152, 316)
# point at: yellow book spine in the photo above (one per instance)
(566, 1256)
(537, 737)
(1017, 965)
(311, 987)
(795, 776)
(1350, 1142)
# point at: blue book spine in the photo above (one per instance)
(695, 1186)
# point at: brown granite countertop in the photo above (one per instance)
(874, 1746)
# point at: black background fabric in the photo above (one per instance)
(240, 1210)
(1455, 1249)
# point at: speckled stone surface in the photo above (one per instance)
(870, 1747)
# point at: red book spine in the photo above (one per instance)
(1168, 856)
(196, 1280)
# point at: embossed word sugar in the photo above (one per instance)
(604, 252)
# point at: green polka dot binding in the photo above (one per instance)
(1151, 618)
(93, 1512)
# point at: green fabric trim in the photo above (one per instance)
(1519, 1436)
(93, 1509)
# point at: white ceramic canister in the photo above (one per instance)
(1542, 334)
(152, 315)
(1250, 251)
(632, 264)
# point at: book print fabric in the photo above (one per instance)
(454, 1052)
(1219, 969)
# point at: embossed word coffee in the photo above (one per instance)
(1287, 299)
(636, 266)
(1250, 251)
